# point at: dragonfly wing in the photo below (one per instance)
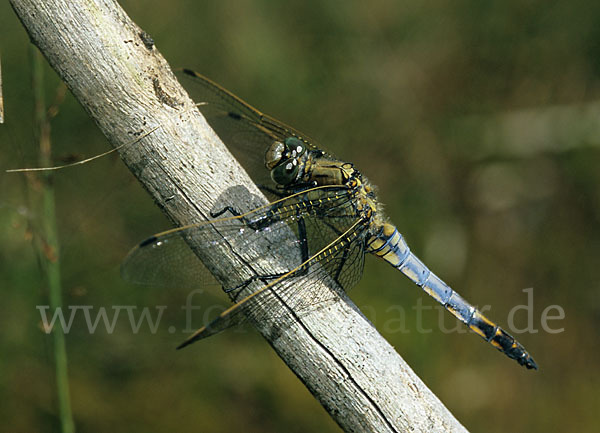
(206, 92)
(347, 267)
(166, 259)
(243, 138)
(319, 230)
(299, 290)
(246, 131)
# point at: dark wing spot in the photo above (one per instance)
(148, 241)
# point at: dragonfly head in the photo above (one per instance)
(283, 160)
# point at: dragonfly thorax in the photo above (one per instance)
(321, 169)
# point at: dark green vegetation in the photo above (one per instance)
(473, 120)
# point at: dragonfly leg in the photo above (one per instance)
(229, 209)
(341, 266)
(302, 271)
(344, 255)
(302, 236)
(298, 187)
(255, 225)
(280, 193)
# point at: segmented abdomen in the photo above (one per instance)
(389, 244)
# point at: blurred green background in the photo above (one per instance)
(478, 121)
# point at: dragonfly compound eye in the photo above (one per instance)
(295, 146)
(286, 172)
(274, 154)
(282, 160)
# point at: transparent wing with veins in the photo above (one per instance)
(246, 131)
(319, 229)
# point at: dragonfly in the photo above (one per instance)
(328, 205)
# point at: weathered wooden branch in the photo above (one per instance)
(117, 74)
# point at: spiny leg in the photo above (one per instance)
(302, 237)
(267, 220)
(282, 192)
